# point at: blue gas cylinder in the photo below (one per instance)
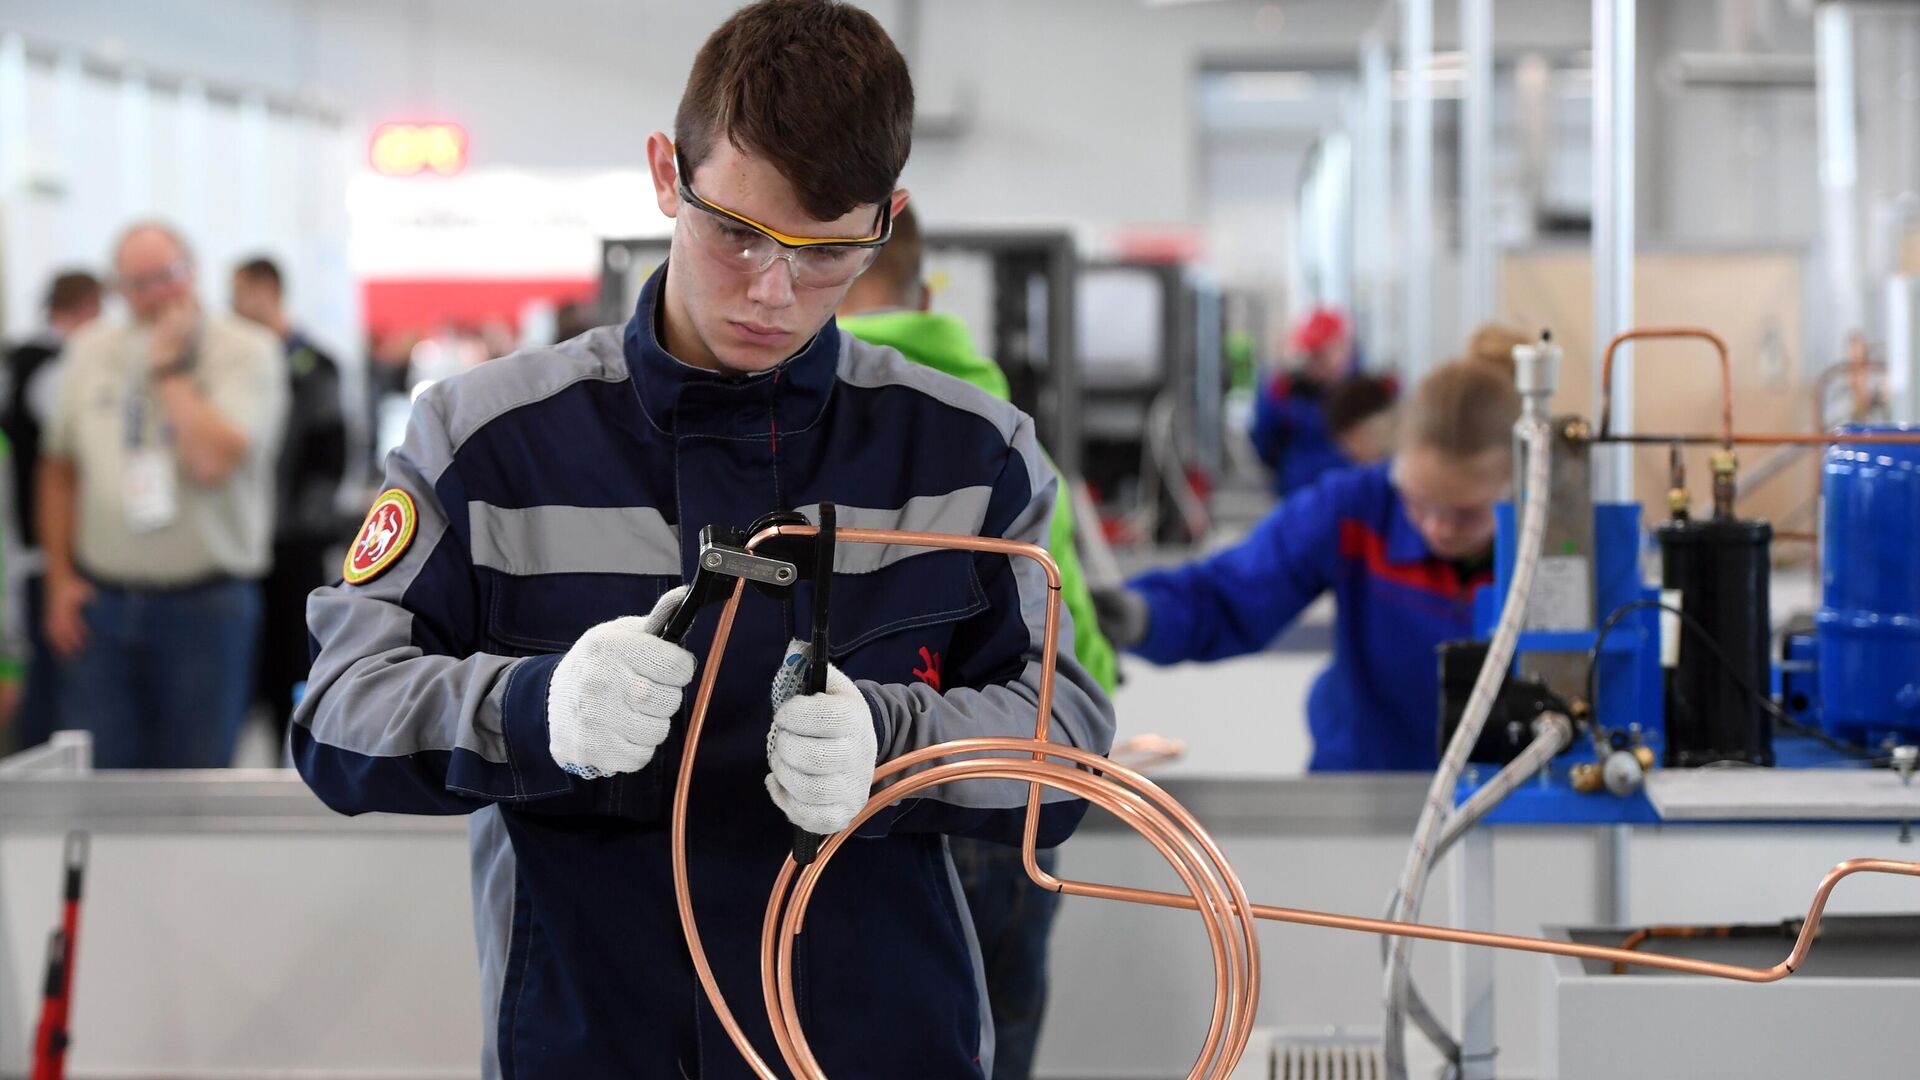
(1869, 620)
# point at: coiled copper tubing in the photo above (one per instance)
(1214, 890)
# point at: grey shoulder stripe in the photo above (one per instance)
(475, 398)
(573, 540)
(961, 512)
(870, 366)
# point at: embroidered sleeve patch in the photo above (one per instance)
(388, 530)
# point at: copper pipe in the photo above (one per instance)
(1856, 367)
(1833, 438)
(1224, 1045)
(1643, 333)
(1648, 933)
(682, 892)
(1214, 890)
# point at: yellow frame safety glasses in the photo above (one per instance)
(880, 236)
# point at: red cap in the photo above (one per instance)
(1321, 325)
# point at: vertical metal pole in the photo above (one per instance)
(1473, 968)
(1613, 228)
(1476, 154)
(1375, 216)
(1619, 898)
(1840, 170)
(1416, 47)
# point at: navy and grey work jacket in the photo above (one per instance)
(559, 488)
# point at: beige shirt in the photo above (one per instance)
(102, 427)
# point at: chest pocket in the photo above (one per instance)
(528, 616)
(551, 573)
(895, 624)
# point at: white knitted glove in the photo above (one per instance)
(612, 697)
(821, 748)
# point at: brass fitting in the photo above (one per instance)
(1724, 464)
(1587, 777)
(1679, 502)
(1645, 756)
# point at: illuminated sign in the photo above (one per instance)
(411, 149)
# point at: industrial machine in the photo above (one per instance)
(1154, 381)
(1676, 675)
(1681, 672)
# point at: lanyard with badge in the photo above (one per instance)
(149, 479)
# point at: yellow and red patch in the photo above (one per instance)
(382, 539)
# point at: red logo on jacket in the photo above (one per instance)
(931, 673)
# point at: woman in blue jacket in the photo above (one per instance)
(1403, 545)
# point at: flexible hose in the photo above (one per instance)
(1552, 733)
(1405, 905)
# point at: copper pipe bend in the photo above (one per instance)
(1646, 333)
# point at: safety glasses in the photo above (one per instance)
(743, 244)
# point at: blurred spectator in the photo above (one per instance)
(574, 319)
(312, 466)
(32, 387)
(386, 406)
(156, 503)
(497, 339)
(1361, 418)
(1289, 423)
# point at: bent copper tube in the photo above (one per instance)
(1643, 333)
(1832, 438)
(1649, 933)
(1214, 890)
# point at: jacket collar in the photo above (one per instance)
(681, 399)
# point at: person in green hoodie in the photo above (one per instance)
(887, 305)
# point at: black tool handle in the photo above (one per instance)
(705, 587)
(806, 845)
(56, 966)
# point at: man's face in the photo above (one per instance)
(254, 300)
(1330, 361)
(1450, 499)
(718, 316)
(154, 274)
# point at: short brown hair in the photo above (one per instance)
(261, 271)
(72, 291)
(1494, 342)
(1357, 400)
(1464, 408)
(816, 87)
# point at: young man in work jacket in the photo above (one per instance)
(1011, 917)
(1403, 546)
(491, 651)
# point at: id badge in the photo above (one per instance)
(152, 495)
